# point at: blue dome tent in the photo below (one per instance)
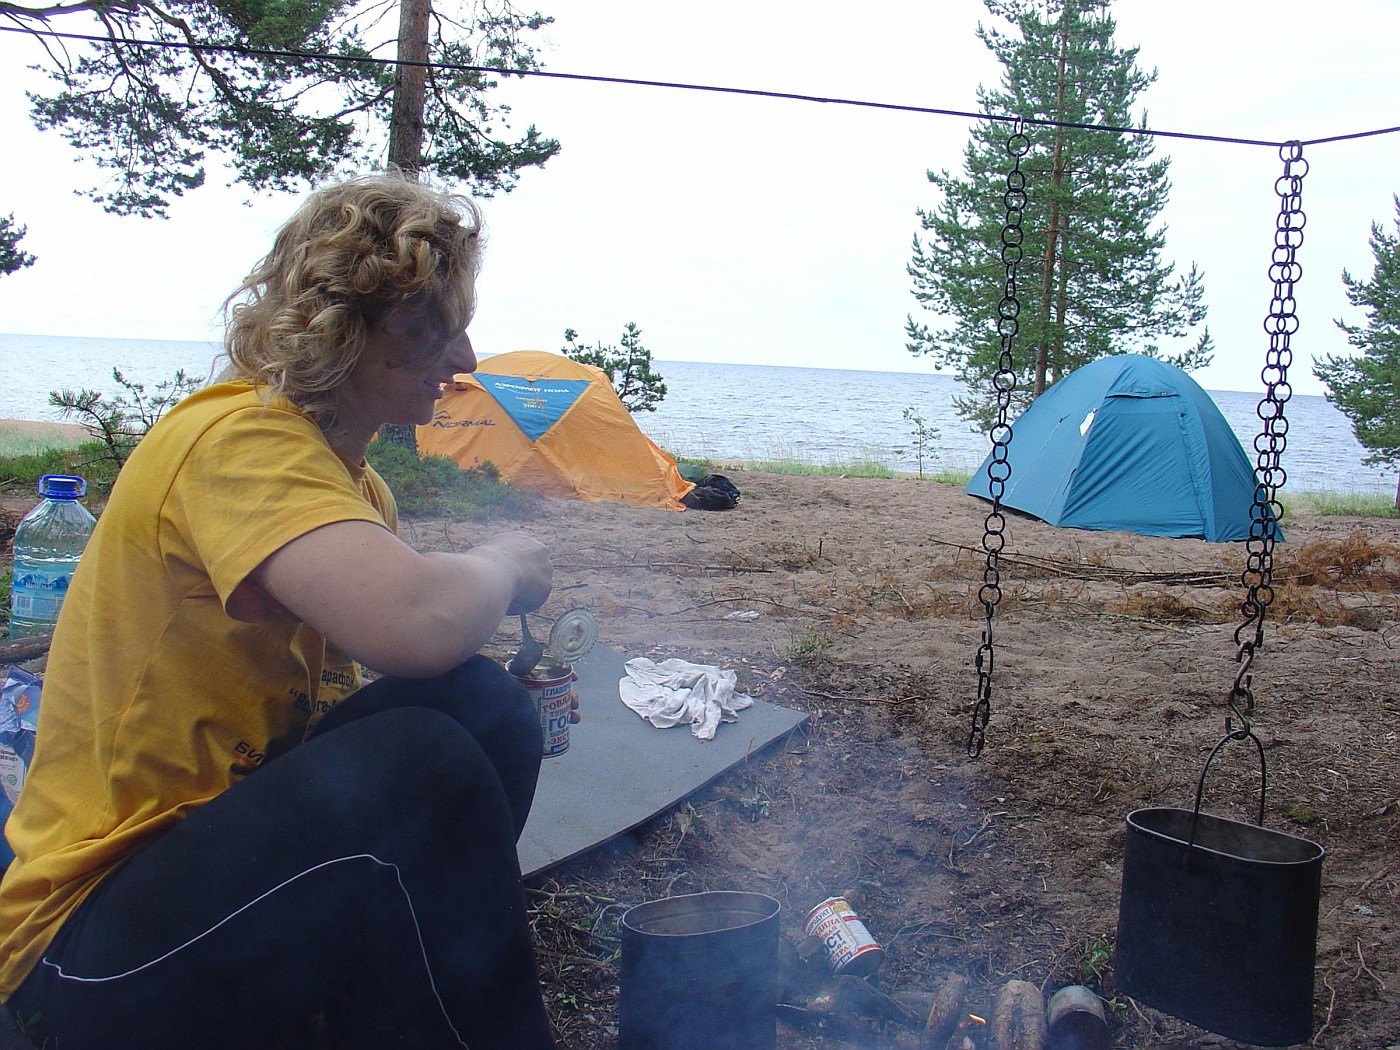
(1128, 443)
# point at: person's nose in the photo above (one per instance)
(461, 356)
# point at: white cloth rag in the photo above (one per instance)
(673, 691)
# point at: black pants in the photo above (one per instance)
(368, 876)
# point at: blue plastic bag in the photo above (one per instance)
(19, 719)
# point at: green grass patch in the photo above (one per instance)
(20, 473)
(867, 462)
(1355, 504)
(854, 469)
(960, 478)
(20, 439)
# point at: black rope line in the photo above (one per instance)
(1343, 138)
(593, 78)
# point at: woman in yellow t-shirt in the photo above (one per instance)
(223, 832)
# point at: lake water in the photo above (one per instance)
(736, 412)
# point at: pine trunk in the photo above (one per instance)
(1052, 262)
(410, 87)
(406, 129)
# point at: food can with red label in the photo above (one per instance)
(848, 944)
(552, 691)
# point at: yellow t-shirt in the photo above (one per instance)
(155, 698)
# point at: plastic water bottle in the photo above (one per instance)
(47, 544)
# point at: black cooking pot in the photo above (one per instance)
(1217, 922)
(699, 972)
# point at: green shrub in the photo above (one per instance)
(692, 469)
(813, 643)
(120, 421)
(435, 487)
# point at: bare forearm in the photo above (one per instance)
(400, 611)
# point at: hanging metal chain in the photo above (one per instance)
(998, 465)
(1269, 475)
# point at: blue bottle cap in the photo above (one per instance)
(62, 486)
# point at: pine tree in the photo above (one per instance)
(1092, 282)
(638, 386)
(1367, 388)
(285, 92)
(12, 256)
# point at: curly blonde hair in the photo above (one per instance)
(352, 254)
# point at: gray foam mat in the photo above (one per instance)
(620, 771)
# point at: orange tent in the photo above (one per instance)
(555, 426)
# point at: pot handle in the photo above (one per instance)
(1239, 734)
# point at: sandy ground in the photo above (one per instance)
(856, 600)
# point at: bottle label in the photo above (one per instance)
(12, 770)
(38, 589)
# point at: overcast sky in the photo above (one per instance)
(750, 230)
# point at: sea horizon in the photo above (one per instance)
(218, 349)
(816, 415)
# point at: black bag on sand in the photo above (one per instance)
(713, 492)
